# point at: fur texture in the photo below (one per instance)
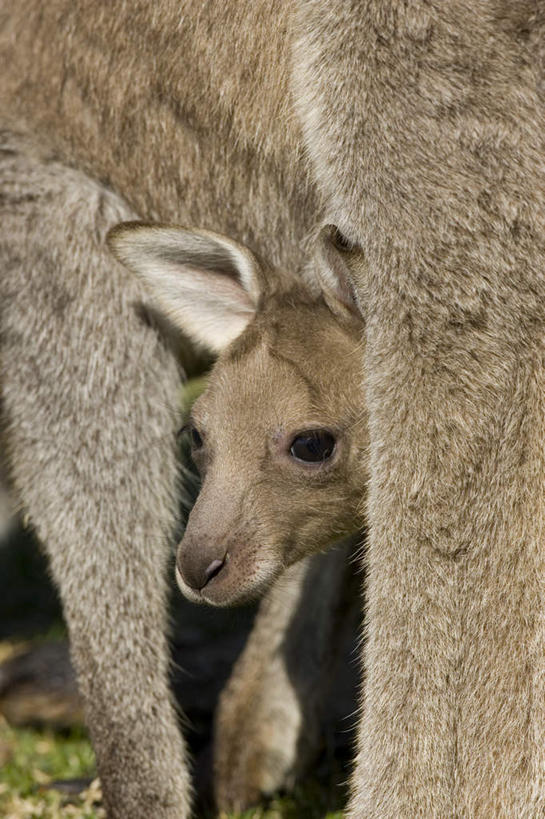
(424, 125)
(88, 396)
(161, 89)
(439, 111)
(288, 372)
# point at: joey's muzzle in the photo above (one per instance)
(199, 566)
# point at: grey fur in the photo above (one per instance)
(424, 125)
(89, 397)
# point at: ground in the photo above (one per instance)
(30, 759)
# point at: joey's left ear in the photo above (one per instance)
(204, 283)
(332, 268)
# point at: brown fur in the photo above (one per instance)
(424, 125)
(162, 91)
(289, 363)
(265, 512)
(441, 111)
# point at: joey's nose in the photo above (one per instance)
(215, 568)
(197, 569)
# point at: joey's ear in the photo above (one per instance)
(204, 283)
(331, 259)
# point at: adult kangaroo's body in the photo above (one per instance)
(424, 126)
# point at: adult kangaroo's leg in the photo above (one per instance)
(88, 393)
(268, 720)
(430, 143)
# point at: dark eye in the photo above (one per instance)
(196, 439)
(314, 446)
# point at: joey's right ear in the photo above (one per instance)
(331, 264)
(204, 283)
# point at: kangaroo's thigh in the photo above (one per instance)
(88, 391)
(270, 713)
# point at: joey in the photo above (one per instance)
(279, 435)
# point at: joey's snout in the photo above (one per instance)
(198, 567)
(222, 562)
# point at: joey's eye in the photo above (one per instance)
(196, 439)
(313, 446)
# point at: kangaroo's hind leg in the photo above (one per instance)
(88, 391)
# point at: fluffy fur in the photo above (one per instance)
(424, 126)
(440, 113)
(289, 361)
(88, 397)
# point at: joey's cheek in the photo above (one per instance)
(317, 522)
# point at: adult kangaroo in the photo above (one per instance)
(418, 130)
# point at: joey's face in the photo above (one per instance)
(280, 440)
(280, 435)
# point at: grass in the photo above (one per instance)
(31, 759)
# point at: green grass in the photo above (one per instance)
(308, 802)
(31, 759)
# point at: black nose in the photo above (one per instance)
(197, 569)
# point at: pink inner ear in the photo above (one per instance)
(211, 308)
(222, 289)
(194, 278)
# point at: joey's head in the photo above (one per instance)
(280, 434)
